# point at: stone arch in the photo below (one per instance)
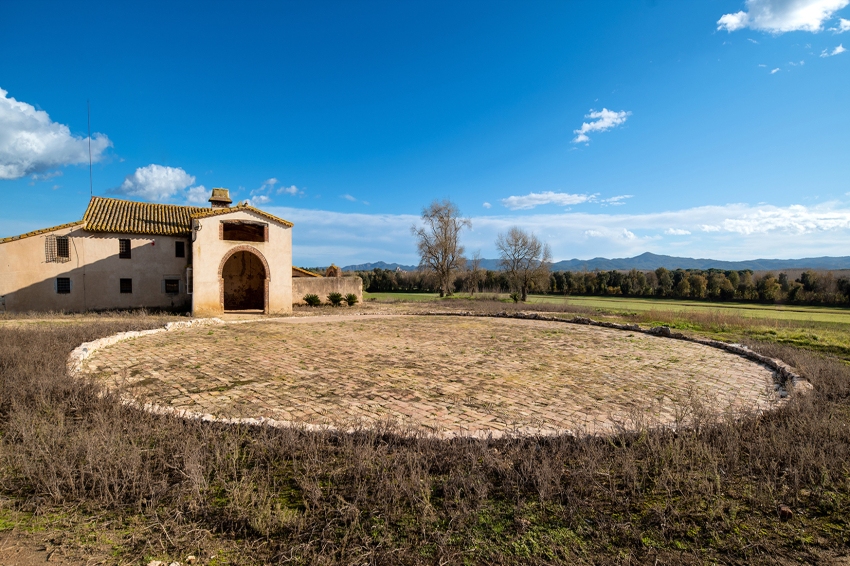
(256, 253)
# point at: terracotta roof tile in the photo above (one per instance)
(207, 212)
(303, 272)
(130, 217)
(37, 232)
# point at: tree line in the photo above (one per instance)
(811, 287)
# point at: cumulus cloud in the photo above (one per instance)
(486, 205)
(601, 121)
(258, 200)
(155, 183)
(677, 232)
(30, 142)
(197, 195)
(837, 51)
(843, 25)
(780, 16)
(774, 71)
(531, 200)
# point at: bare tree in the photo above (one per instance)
(525, 260)
(439, 244)
(476, 274)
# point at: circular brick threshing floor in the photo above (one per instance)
(452, 375)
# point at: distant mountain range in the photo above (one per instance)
(649, 261)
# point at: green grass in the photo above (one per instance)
(617, 305)
(401, 296)
(750, 310)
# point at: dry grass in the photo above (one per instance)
(709, 493)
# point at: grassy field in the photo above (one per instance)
(78, 470)
(824, 329)
(627, 305)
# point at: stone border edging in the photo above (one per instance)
(86, 349)
(783, 371)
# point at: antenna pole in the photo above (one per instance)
(91, 190)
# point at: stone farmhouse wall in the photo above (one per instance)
(91, 273)
(322, 286)
(210, 250)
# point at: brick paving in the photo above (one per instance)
(451, 375)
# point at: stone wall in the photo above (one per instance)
(322, 286)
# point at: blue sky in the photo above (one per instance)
(702, 128)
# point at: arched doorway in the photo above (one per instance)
(244, 281)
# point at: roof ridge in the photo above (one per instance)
(40, 231)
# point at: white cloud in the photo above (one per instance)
(155, 183)
(774, 71)
(30, 142)
(780, 16)
(349, 198)
(601, 121)
(46, 176)
(730, 232)
(197, 195)
(531, 200)
(487, 205)
(843, 25)
(837, 51)
(615, 201)
(751, 40)
(677, 232)
(290, 190)
(259, 200)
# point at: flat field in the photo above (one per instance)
(626, 305)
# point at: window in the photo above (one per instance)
(126, 285)
(244, 231)
(62, 250)
(63, 285)
(124, 250)
(57, 249)
(171, 286)
(179, 249)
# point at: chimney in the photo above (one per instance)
(220, 198)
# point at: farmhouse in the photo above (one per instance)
(127, 254)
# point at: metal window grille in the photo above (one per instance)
(172, 286)
(124, 249)
(126, 285)
(63, 251)
(63, 285)
(56, 249)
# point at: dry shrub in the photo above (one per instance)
(706, 492)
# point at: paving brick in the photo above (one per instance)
(445, 373)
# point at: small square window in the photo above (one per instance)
(179, 249)
(62, 249)
(124, 249)
(63, 285)
(172, 286)
(126, 285)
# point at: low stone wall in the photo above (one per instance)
(322, 286)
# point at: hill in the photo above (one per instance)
(649, 261)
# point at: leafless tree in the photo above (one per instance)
(525, 260)
(438, 240)
(476, 274)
